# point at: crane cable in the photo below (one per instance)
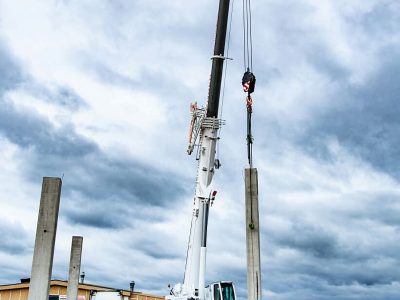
(248, 83)
(248, 80)
(247, 36)
(224, 76)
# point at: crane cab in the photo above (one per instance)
(223, 290)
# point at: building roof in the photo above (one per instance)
(82, 286)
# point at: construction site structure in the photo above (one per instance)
(74, 267)
(42, 262)
(254, 290)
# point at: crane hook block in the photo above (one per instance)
(248, 82)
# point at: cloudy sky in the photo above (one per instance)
(98, 92)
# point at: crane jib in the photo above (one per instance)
(218, 60)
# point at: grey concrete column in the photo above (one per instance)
(74, 267)
(252, 235)
(42, 263)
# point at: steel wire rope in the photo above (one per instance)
(248, 66)
(247, 36)
(251, 38)
(248, 53)
(244, 34)
(225, 71)
(187, 250)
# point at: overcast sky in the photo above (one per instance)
(99, 91)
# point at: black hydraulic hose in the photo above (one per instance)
(206, 210)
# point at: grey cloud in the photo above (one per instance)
(12, 76)
(88, 171)
(324, 252)
(157, 251)
(100, 71)
(313, 288)
(159, 82)
(97, 216)
(28, 129)
(328, 259)
(69, 98)
(116, 179)
(13, 238)
(319, 278)
(62, 96)
(11, 271)
(382, 208)
(381, 20)
(365, 119)
(310, 239)
(159, 255)
(10, 72)
(321, 59)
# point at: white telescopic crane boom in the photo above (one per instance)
(195, 268)
(205, 125)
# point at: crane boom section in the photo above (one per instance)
(205, 126)
(218, 59)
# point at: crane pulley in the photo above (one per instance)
(248, 83)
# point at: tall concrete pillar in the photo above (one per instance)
(74, 267)
(252, 235)
(42, 263)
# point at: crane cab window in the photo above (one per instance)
(217, 293)
(223, 291)
(227, 291)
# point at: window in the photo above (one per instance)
(216, 292)
(227, 291)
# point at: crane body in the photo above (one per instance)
(204, 134)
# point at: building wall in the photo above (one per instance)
(20, 291)
(144, 297)
(62, 290)
(14, 294)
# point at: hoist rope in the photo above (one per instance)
(251, 38)
(244, 37)
(247, 36)
(249, 140)
(248, 83)
(248, 80)
(225, 71)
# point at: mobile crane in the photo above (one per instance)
(204, 131)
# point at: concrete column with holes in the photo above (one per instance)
(252, 235)
(74, 267)
(43, 254)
